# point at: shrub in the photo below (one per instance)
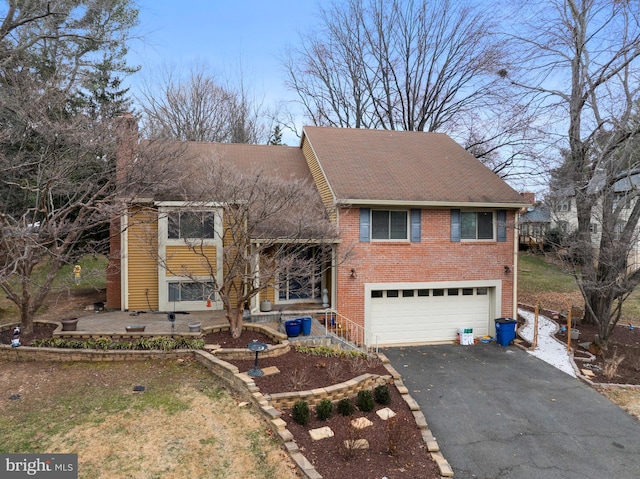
(324, 409)
(365, 401)
(298, 378)
(346, 407)
(382, 395)
(300, 412)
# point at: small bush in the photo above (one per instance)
(298, 378)
(300, 412)
(346, 407)
(334, 371)
(365, 401)
(382, 395)
(324, 410)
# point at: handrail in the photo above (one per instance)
(345, 329)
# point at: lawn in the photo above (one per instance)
(93, 277)
(184, 424)
(543, 281)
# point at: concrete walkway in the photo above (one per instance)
(498, 412)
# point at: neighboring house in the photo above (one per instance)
(533, 225)
(431, 234)
(564, 215)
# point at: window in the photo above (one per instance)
(301, 279)
(407, 293)
(388, 225)
(392, 293)
(481, 291)
(189, 291)
(376, 294)
(593, 227)
(191, 224)
(620, 200)
(467, 291)
(438, 292)
(564, 205)
(452, 292)
(423, 292)
(476, 225)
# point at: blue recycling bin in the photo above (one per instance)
(505, 331)
(306, 325)
(293, 327)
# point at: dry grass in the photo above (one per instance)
(182, 425)
(627, 399)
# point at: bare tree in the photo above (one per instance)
(57, 140)
(275, 231)
(582, 66)
(199, 108)
(418, 65)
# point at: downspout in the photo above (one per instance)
(124, 262)
(516, 217)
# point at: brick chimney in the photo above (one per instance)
(529, 196)
(126, 148)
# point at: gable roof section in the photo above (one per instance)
(286, 162)
(405, 168)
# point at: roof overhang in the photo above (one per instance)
(431, 204)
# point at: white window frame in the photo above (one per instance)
(164, 208)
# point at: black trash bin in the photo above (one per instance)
(505, 331)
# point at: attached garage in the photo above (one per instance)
(412, 313)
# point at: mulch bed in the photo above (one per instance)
(301, 371)
(40, 331)
(623, 342)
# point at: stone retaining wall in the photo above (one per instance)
(332, 393)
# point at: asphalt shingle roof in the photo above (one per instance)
(405, 166)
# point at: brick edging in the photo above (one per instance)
(421, 421)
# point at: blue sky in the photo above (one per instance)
(228, 36)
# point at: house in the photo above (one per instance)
(534, 224)
(431, 234)
(623, 194)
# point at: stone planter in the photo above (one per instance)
(135, 328)
(70, 324)
(265, 306)
(194, 327)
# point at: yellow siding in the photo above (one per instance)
(142, 253)
(182, 260)
(319, 178)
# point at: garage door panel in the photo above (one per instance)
(396, 320)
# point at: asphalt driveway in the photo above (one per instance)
(498, 412)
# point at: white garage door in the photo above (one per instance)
(427, 315)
